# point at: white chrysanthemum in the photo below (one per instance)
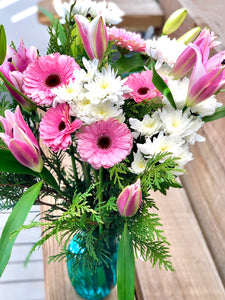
(206, 107)
(162, 143)
(148, 126)
(184, 157)
(87, 8)
(64, 93)
(163, 49)
(106, 86)
(194, 137)
(102, 111)
(139, 163)
(179, 90)
(80, 107)
(177, 123)
(91, 66)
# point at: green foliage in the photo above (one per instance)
(63, 37)
(108, 55)
(147, 235)
(12, 188)
(117, 174)
(158, 173)
(130, 63)
(139, 110)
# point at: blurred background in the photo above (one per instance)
(20, 20)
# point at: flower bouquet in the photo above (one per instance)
(100, 121)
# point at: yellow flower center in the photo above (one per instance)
(69, 90)
(175, 123)
(163, 148)
(104, 85)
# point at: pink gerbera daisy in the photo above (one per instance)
(104, 143)
(56, 127)
(126, 39)
(46, 73)
(142, 86)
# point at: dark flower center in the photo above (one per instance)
(52, 80)
(104, 142)
(223, 62)
(143, 90)
(62, 126)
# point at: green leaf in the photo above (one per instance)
(56, 24)
(8, 163)
(3, 43)
(125, 267)
(127, 64)
(15, 220)
(49, 179)
(160, 84)
(219, 113)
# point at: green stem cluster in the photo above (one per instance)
(99, 180)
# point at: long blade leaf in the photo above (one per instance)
(160, 84)
(219, 113)
(125, 267)
(3, 44)
(15, 220)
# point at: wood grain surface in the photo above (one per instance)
(195, 276)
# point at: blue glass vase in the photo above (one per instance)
(96, 285)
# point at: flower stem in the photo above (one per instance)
(86, 174)
(100, 195)
(73, 164)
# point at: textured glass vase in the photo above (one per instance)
(93, 286)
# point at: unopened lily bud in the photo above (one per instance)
(94, 36)
(174, 21)
(130, 199)
(20, 140)
(190, 36)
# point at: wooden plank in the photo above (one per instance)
(205, 187)
(33, 290)
(139, 14)
(195, 275)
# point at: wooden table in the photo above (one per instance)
(193, 217)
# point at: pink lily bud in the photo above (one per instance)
(13, 67)
(93, 35)
(203, 82)
(20, 140)
(185, 62)
(130, 199)
(216, 60)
